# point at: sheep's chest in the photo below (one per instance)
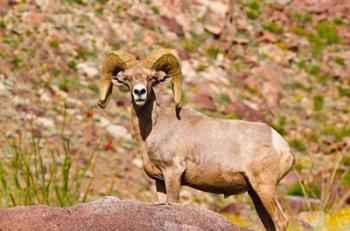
(158, 153)
(153, 163)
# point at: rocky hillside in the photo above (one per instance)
(283, 62)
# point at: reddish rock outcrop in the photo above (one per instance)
(110, 213)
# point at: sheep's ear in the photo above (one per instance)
(119, 79)
(162, 76)
(159, 77)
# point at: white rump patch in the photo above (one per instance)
(282, 147)
(278, 142)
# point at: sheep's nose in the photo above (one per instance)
(139, 90)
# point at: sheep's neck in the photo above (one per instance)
(143, 118)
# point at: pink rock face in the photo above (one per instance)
(110, 213)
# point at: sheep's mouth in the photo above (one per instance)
(140, 101)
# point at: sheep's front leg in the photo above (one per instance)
(161, 193)
(172, 179)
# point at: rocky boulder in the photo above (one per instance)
(110, 213)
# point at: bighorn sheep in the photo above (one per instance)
(180, 146)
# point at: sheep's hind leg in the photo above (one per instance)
(260, 209)
(267, 206)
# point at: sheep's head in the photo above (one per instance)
(123, 68)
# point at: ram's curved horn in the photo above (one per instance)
(115, 62)
(164, 60)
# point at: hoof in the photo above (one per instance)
(160, 203)
(163, 203)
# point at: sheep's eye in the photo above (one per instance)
(154, 79)
(126, 79)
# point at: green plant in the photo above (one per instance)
(295, 190)
(66, 83)
(2, 24)
(201, 67)
(188, 45)
(93, 87)
(338, 21)
(32, 173)
(16, 62)
(274, 28)
(328, 33)
(325, 34)
(72, 65)
(29, 176)
(54, 43)
(279, 127)
(102, 1)
(155, 10)
(346, 178)
(318, 102)
(340, 61)
(222, 99)
(298, 145)
(236, 220)
(302, 18)
(79, 2)
(213, 51)
(252, 9)
(344, 92)
(84, 53)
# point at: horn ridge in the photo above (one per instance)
(115, 62)
(164, 60)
